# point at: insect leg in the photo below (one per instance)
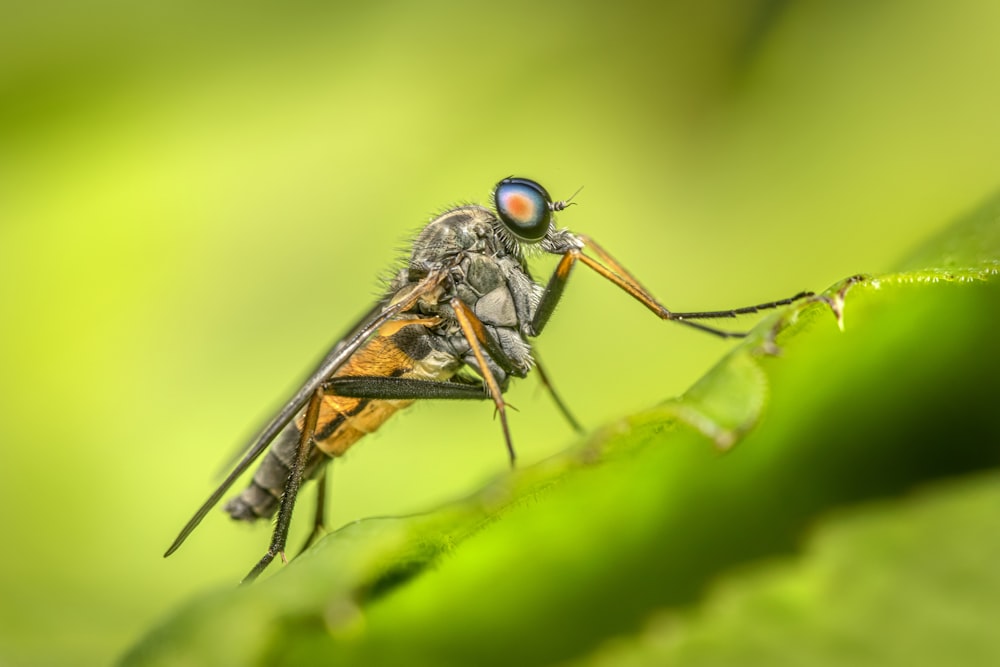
(553, 291)
(616, 273)
(397, 388)
(547, 383)
(319, 518)
(745, 310)
(478, 338)
(280, 534)
(387, 388)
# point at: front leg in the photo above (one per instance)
(608, 267)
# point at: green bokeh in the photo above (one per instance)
(195, 200)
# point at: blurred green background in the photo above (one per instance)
(195, 201)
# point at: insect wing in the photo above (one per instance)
(334, 352)
(338, 355)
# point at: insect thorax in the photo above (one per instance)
(486, 271)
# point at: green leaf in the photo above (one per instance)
(614, 550)
(909, 582)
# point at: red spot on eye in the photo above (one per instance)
(519, 207)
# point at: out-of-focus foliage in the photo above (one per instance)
(196, 198)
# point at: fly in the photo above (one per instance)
(454, 323)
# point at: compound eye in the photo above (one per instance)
(524, 207)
